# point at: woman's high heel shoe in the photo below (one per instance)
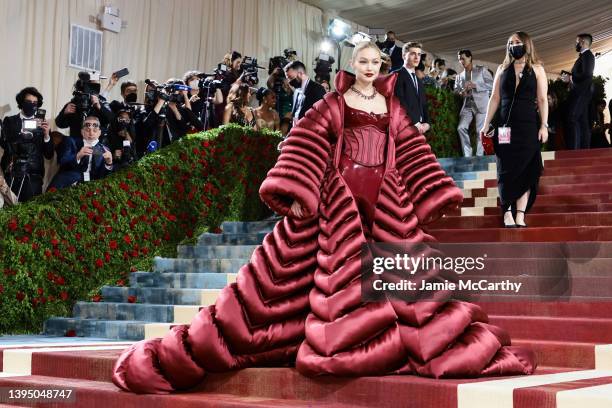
(509, 225)
(521, 225)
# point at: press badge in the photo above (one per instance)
(503, 135)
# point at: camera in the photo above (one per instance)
(29, 124)
(280, 61)
(40, 114)
(323, 66)
(249, 69)
(83, 89)
(98, 150)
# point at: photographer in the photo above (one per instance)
(129, 93)
(168, 120)
(83, 159)
(233, 64)
(26, 143)
(278, 82)
(86, 101)
(122, 139)
(204, 89)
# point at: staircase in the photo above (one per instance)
(573, 341)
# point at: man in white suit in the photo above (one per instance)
(474, 84)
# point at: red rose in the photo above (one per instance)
(70, 333)
(113, 244)
(20, 296)
(124, 186)
(120, 282)
(131, 299)
(12, 224)
(40, 291)
(64, 295)
(99, 263)
(127, 239)
(60, 280)
(96, 298)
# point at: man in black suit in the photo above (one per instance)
(83, 159)
(26, 142)
(581, 79)
(394, 51)
(306, 92)
(410, 90)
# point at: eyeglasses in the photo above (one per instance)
(91, 125)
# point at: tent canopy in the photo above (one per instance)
(483, 26)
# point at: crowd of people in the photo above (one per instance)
(104, 135)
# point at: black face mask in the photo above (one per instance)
(296, 83)
(517, 51)
(389, 43)
(578, 47)
(131, 98)
(29, 108)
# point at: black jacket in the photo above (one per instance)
(313, 93)
(582, 74)
(414, 103)
(74, 121)
(29, 150)
(71, 171)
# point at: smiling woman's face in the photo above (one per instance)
(366, 64)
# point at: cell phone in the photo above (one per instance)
(30, 124)
(121, 73)
(40, 114)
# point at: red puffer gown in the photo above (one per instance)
(358, 177)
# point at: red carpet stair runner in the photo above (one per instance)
(573, 341)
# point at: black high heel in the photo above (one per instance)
(509, 225)
(521, 225)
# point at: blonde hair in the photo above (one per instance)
(532, 57)
(363, 45)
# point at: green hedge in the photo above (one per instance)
(64, 245)
(444, 107)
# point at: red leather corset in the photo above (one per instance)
(365, 136)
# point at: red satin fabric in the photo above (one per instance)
(298, 300)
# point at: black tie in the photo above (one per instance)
(414, 81)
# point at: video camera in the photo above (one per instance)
(280, 61)
(323, 66)
(169, 92)
(249, 69)
(209, 83)
(83, 89)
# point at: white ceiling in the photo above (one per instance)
(485, 25)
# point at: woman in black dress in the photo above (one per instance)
(520, 88)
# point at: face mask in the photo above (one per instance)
(578, 47)
(194, 84)
(131, 98)
(389, 43)
(29, 108)
(517, 51)
(296, 83)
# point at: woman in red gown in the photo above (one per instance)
(353, 170)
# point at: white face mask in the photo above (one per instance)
(194, 84)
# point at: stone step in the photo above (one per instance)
(181, 280)
(198, 265)
(108, 329)
(123, 311)
(232, 239)
(466, 160)
(235, 227)
(215, 251)
(166, 296)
